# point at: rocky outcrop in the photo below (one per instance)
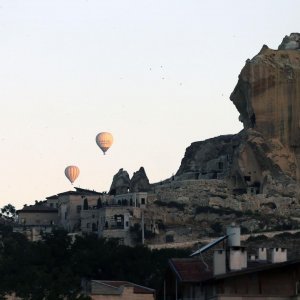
(139, 181)
(267, 97)
(291, 42)
(251, 177)
(209, 159)
(120, 184)
(266, 154)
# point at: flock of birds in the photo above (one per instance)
(104, 140)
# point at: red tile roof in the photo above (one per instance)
(190, 269)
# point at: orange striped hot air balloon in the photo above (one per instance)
(72, 173)
(104, 140)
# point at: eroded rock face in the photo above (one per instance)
(209, 159)
(267, 94)
(265, 156)
(291, 42)
(120, 184)
(139, 181)
(249, 175)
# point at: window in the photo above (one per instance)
(247, 178)
(78, 209)
(51, 204)
(87, 225)
(143, 201)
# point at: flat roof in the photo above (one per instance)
(38, 208)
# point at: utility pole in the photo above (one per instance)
(143, 227)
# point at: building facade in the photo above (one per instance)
(34, 220)
(114, 290)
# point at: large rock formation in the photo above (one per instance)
(139, 181)
(266, 154)
(291, 42)
(209, 159)
(251, 177)
(267, 96)
(120, 184)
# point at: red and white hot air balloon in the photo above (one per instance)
(104, 140)
(72, 172)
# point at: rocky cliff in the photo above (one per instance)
(265, 156)
(267, 97)
(251, 177)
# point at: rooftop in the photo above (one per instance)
(194, 270)
(190, 269)
(37, 208)
(137, 289)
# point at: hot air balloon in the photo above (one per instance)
(104, 140)
(72, 173)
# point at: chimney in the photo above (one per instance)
(262, 253)
(234, 235)
(252, 257)
(237, 254)
(278, 255)
(237, 258)
(219, 262)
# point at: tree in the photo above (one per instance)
(9, 211)
(99, 203)
(85, 204)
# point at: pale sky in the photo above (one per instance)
(156, 74)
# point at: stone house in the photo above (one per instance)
(71, 204)
(52, 201)
(36, 219)
(190, 279)
(138, 199)
(85, 211)
(115, 217)
(113, 290)
(233, 275)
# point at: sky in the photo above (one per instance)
(156, 74)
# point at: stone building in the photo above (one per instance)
(36, 219)
(52, 201)
(233, 274)
(115, 217)
(84, 211)
(71, 204)
(113, 290)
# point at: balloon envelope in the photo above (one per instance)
(72, 173)
(104, 140)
